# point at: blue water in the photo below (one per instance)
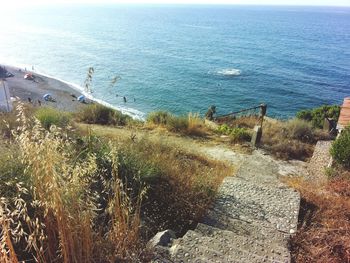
(186, 58)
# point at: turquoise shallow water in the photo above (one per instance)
(186, 58)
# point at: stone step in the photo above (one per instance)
(251, 220)
(255, 232)
(225, 246)
(274, 207)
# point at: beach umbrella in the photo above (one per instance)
(81, 98)
(47, 96)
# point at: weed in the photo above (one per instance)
(159, 117)
(240, 135)
(188, 125)
(49, 116)
(324, 225)
(99, 114)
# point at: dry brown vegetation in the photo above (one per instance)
(73, 197)
(241, 122)
(292, 139)
(181, 185)
(324, 221)
(191, 125)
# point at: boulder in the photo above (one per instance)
(162, 239)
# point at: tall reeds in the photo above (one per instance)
(54, 216)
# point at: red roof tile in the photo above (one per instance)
(344, 117)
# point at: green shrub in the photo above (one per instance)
(236, 134)
(99, 114)
(316, 116)
(240, 135)
(159, 117)
(224, 129)
(11, 171)
(50, 116)
(340, 150)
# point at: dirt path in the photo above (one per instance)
(205, 147)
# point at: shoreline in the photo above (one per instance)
(60, 90)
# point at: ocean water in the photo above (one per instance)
(186, 58)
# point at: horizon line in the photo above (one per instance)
(174, 4)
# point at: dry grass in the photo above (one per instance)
(191, 125)
(293, 139)
(82, 199)
(324, 222)
(185, 188)
(53, 213)
(8, 121)
(196, 126)
(246, 122)
(181, 185)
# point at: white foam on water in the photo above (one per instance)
(229, 72)
(135, 114)
(197, 26)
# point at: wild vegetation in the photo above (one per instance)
(286, 139)
(99, 114)
(236, 134)
(292, 139)
(191, 124)
(50, 116)
(75, 197)
(324, 221)
(324, 224)
(341, 149)
(317, 115)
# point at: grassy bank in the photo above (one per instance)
(74, 196)
(287, 139)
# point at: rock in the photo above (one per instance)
(161, 239)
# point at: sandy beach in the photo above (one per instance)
(35, 89)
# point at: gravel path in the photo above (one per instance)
(253, 217)
(320, 160)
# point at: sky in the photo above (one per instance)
(18, 3)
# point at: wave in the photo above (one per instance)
(229, 72)
(197, 26)
(135, 114)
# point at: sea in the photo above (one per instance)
(185, 58)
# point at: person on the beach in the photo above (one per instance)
(39, 102)
(124, 98)
(29, 100)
